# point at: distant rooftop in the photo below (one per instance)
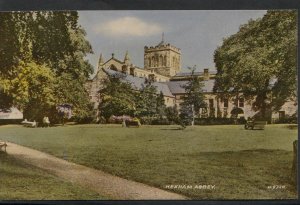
(199, 73)
(177, 87)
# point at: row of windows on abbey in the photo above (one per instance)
(161, 61)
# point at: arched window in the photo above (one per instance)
(113, 67)
(156, 61)
(160, 60)
(149, 62)
(124, 69)
(153, 62)
(132, 72)
(165, 60)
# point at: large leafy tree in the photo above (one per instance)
(60, 43)
(119, 97)
(49, 42)
(64, 50)
(260, 61)
(31, 88)
(10, 53)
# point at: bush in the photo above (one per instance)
(287, 120)
(146, 120)
(162, 121)
(155, 121)
(83, 120)
(8, 121)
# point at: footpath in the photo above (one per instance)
(103, 183)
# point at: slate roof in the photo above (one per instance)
(183, 74)
(176, 87)
(139, 83)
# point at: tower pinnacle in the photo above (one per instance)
(162, 39)
(101, 60)
(127, 58)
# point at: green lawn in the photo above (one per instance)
(20, 181)
(240, 163)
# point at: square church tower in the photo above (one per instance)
(163, 59)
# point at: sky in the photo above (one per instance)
(196, 33)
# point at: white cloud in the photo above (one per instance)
(128, 26)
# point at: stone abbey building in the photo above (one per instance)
(162, 66)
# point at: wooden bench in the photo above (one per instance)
(29, 124)
(251, 124)
(4, 145)
(132, 123)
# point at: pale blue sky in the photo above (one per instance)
(196, 33)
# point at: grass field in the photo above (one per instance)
(20, 181)
(240, 163)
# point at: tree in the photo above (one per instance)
(116, 98)
(49, 42)
(260, 61)
(70, 91)
(119, 97)
(64, 51)
(160, 105)
(146, 101)
(11, 52)
(172, 114)
(193, 99)
(31, 89)
(65, 47)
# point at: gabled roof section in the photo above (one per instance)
(113, 58)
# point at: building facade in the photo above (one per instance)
(162, 66)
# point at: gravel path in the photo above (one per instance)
(101, 182)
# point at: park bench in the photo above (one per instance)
(132, 123)
(251, 124)
(3, 145)
(26, 123)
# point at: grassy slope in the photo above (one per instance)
(241, 163)
(20, 181)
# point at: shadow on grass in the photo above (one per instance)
(254, 129)
(174, 128)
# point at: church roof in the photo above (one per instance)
(169, 88)
(183, 74)
(164, 88)
(139, 83)
(177, 87)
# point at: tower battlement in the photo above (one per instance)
(162, 47)
(164, 58)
